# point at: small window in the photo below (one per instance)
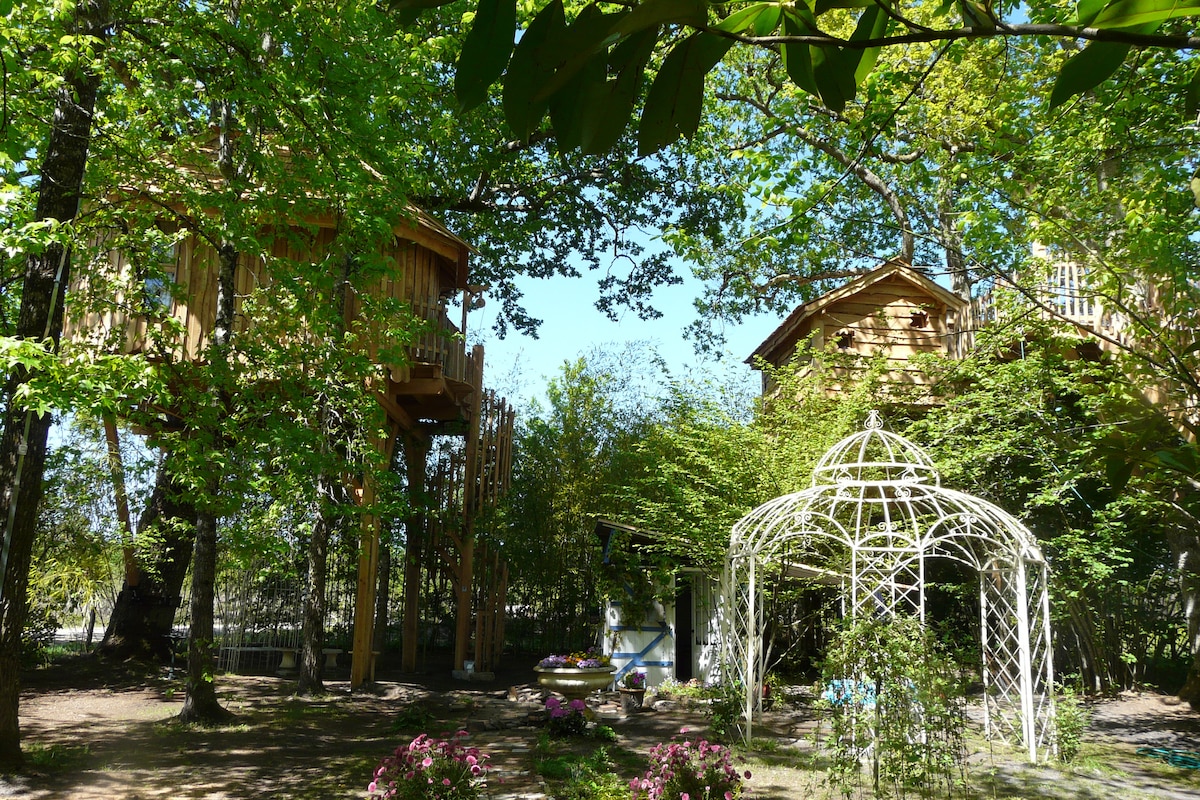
(845, 339)
(919, 318)
(156, 287)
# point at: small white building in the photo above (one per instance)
(673, 636)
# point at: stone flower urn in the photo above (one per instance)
(575, 682)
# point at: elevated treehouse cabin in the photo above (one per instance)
(426, 382)
(893, 311)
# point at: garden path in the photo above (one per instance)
(99, 732)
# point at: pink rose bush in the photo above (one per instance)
(686, 770)
(430, 769)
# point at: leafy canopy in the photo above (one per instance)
(585, 71)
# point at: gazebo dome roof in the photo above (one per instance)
(875, 456)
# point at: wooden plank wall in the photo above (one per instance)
(417, 279)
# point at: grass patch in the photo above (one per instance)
(587, 776)
(56, 756)
(414, 718)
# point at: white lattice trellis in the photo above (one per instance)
(875, 515)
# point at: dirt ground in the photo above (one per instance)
(95, 732)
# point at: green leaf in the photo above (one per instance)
(607, 115)
(828, 5)
(1087, 10)
(1182, 459)
(977, 15)
(567, 107)
(759, 19)
(407, 10)
(588, 34)
(767, 21)
(653, 13)
(486, 50)
(1127, 13)
(835, 82)
(873, 24)
(1118, 470)
(675, 99)
(1087, 70)
(796, 58)
(1191, 100)
(529, 68)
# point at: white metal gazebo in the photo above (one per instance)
(873, 518)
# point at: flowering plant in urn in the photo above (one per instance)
(591, 658)
(634, 680)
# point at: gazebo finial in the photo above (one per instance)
(874, 420)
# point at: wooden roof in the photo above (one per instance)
(784, 336)
(412, 223)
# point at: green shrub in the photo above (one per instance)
(1070, 720)
(895, 704)
(583, 777)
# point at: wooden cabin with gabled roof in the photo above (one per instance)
(167, 309)
(164, 304)
(893, 311)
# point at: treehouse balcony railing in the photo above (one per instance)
(440, 343)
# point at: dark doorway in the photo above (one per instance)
(685, 633)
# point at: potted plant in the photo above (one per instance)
(575, 675)
(633, 690)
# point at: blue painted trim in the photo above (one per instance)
(636, 659)
(642, 628)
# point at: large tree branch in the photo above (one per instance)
(854, 165)
(1164, 41)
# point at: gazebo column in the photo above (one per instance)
(1044, 605)
(984, 644)
(1028, 717)
(752, 639)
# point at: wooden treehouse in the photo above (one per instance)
(893, 311)
(429, 385)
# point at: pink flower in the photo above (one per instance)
(445, 781)
(427, 762)
(371, 786)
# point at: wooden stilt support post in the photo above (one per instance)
(466, 572)
(362, 665)
(416, 453)
(364, 604)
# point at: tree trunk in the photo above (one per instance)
(144, 614)
(201, 704)
(1183, 536)
(381, 598)
(23, 441)
(312, 661)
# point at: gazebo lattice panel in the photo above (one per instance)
(873, 518)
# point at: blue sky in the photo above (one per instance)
(519, 366)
